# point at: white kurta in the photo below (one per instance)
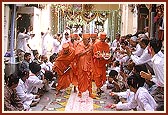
(142, 100)
(47, 43)
(50, 65)
(22, 41)
(56, 45)
(22, 92)
(44, 67)
(114, 45)
(144, 58)
(121, 57)
(34, 83)
(158, 68)
(129, 95)
(138, 51)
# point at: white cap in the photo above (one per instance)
(141, 35)
(134, 38)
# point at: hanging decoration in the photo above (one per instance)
(76, 22)
(71, 15)
(77, 15)
(103, 15)
(88, 16)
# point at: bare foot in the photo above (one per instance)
(80, 94)
(92, 96)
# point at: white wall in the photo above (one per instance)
(129, 20)
(40, 20)
(45, 17)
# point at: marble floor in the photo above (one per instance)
(68, 101)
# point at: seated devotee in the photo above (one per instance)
(158, 67)
(35, 73)
(115, 65)
(138, 50)
(51, 61)
(28, 99)
(128, 95)
(25, 62)
(11, 100)
(122, 97)
(149, 85)
(43, 64)
(121, 53)
(145, 58)
(126, 70)
(36, 57)
(115, 81)
(116, 42)
(142, 100)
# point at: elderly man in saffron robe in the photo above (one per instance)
(84, 65)
(101, 49)
(62, 66)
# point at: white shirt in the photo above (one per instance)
(22, 41)
(23, 94)
(144, 58)
(56, 45)
(44, 66)
(121, 57)
(142, 100)
(158, 68)
(32, 43)
(44, 41)
(114, 45)
(47, 43)
(138, 51)
(34, 83)
(129, 95)
(50, 65)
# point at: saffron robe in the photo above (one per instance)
(61, 64)
(84, 61)
(100, 63)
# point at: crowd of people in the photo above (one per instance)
(132, 66)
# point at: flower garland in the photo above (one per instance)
(88, 16)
